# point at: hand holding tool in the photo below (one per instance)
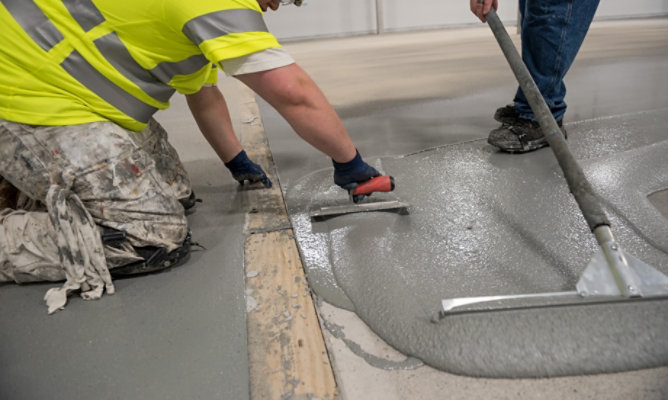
(348, 175)
(384, 183)
(360, 180)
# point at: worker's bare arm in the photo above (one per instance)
(299, 100)
(209, 108)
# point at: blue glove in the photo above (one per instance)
(243, 169)
(349, 175)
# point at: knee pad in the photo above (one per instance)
(155, 259)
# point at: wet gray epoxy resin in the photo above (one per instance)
(487, 223)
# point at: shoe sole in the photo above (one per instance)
(529, 146)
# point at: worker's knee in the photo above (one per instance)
(131, 195)
(153, 259)
(164, 225)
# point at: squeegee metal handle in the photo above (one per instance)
(577, 182)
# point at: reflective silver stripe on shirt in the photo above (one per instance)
(87, 75)
(111, 47)
(165, 71)
(31, 18)
(85, 13)
(117, 54)
(220, 23)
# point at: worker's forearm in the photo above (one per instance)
(209, 109)
(318, 124)
(299, 100)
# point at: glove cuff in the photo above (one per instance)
(238, 161)
(352, 165)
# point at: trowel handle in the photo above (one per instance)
(383, 183)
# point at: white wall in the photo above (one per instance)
(323, 18)
(608, 9)
(330, 18)
(401, 15)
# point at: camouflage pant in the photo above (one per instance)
(128, 181)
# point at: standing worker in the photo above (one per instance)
(79, 83)
(552, 32)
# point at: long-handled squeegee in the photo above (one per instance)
(612, 275)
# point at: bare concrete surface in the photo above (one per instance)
(357, 378)
(401, 94)
(180, 334)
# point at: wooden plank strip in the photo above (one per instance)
(287, 354)
(266, 207)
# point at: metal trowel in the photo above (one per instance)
(384, 183)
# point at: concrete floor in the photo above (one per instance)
(181, 334)
(397, 98)
(485, 223)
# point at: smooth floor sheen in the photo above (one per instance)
(486, 223)
(496, 224)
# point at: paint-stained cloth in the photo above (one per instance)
(88, 177)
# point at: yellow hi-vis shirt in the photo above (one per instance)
(66, 62)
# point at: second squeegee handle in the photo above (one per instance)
(577, 182)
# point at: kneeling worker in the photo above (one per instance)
(79, 83)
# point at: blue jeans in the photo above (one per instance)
(552, 32)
